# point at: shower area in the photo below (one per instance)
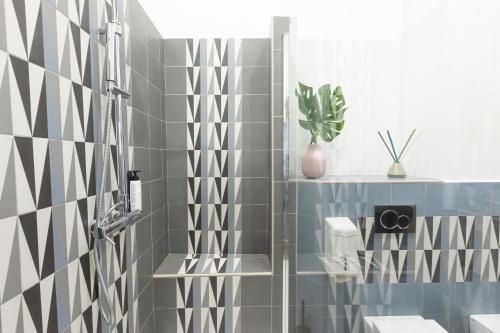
(231, 235)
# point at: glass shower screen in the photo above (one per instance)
(426, 66)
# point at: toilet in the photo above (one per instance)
(341, 244)
(485, 323)
(401, 324)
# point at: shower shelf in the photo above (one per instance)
(192, 265)
(364, 179)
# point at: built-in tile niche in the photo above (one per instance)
(217, 111)
(218, 165)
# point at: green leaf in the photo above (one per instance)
(326, 133)
(302, 105)
(324, 93)
(305, 98)
(307, 125)
(324, 111)
(317, 117)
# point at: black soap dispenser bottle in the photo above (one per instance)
(134, 190)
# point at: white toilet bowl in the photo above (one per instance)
(485, 323)
(341, 244)
(401, 324)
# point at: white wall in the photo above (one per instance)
(244, 18)
(440, 74)
(429, 64)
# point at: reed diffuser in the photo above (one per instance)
(396, 170)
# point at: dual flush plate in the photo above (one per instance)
(395, 219)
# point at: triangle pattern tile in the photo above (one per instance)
(86, 70)
(11, 314)
(85, 113)
(489, 235)
(19, 101)
(13, 285)
(457, 234)
(28, 256)
(25, 175)
(6, 115)
(488, 270)
(75, 52)
(63, 45)
(8, 198)
(84, 15)
(3, 37)
(73, 11)
(49, 304)
(35, 34)
(90, 167)
(29, 227)
(50, 37)
(78, 112)
(33, 304)
(8, 248)
(38, 99)
(66, 108)
(45, 243)
(69, 171)
(64, 305)
(56, 158)
(15, 23)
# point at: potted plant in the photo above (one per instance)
(324, 112)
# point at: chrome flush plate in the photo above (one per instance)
(395, 219)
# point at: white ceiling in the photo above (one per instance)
(251, 18)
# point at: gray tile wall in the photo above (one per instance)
(222, 304)
(52, 88)
(244, 82)
(146, 57)
(193, 82)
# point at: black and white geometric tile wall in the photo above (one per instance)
(213, 79)
(217, 115)
(443, 249)
(51, 127)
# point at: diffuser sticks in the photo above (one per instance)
(396, 169)
(392, 151)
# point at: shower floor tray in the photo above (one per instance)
(185, 265)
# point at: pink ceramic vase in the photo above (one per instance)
(314, 161)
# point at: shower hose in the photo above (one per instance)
(98, 247)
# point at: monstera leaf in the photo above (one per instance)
(324, 111)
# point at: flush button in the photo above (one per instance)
(395, 219)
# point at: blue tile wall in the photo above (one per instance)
(432, 199)
(463, 217)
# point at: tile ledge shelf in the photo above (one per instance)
(204, 265)
(365, 179)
